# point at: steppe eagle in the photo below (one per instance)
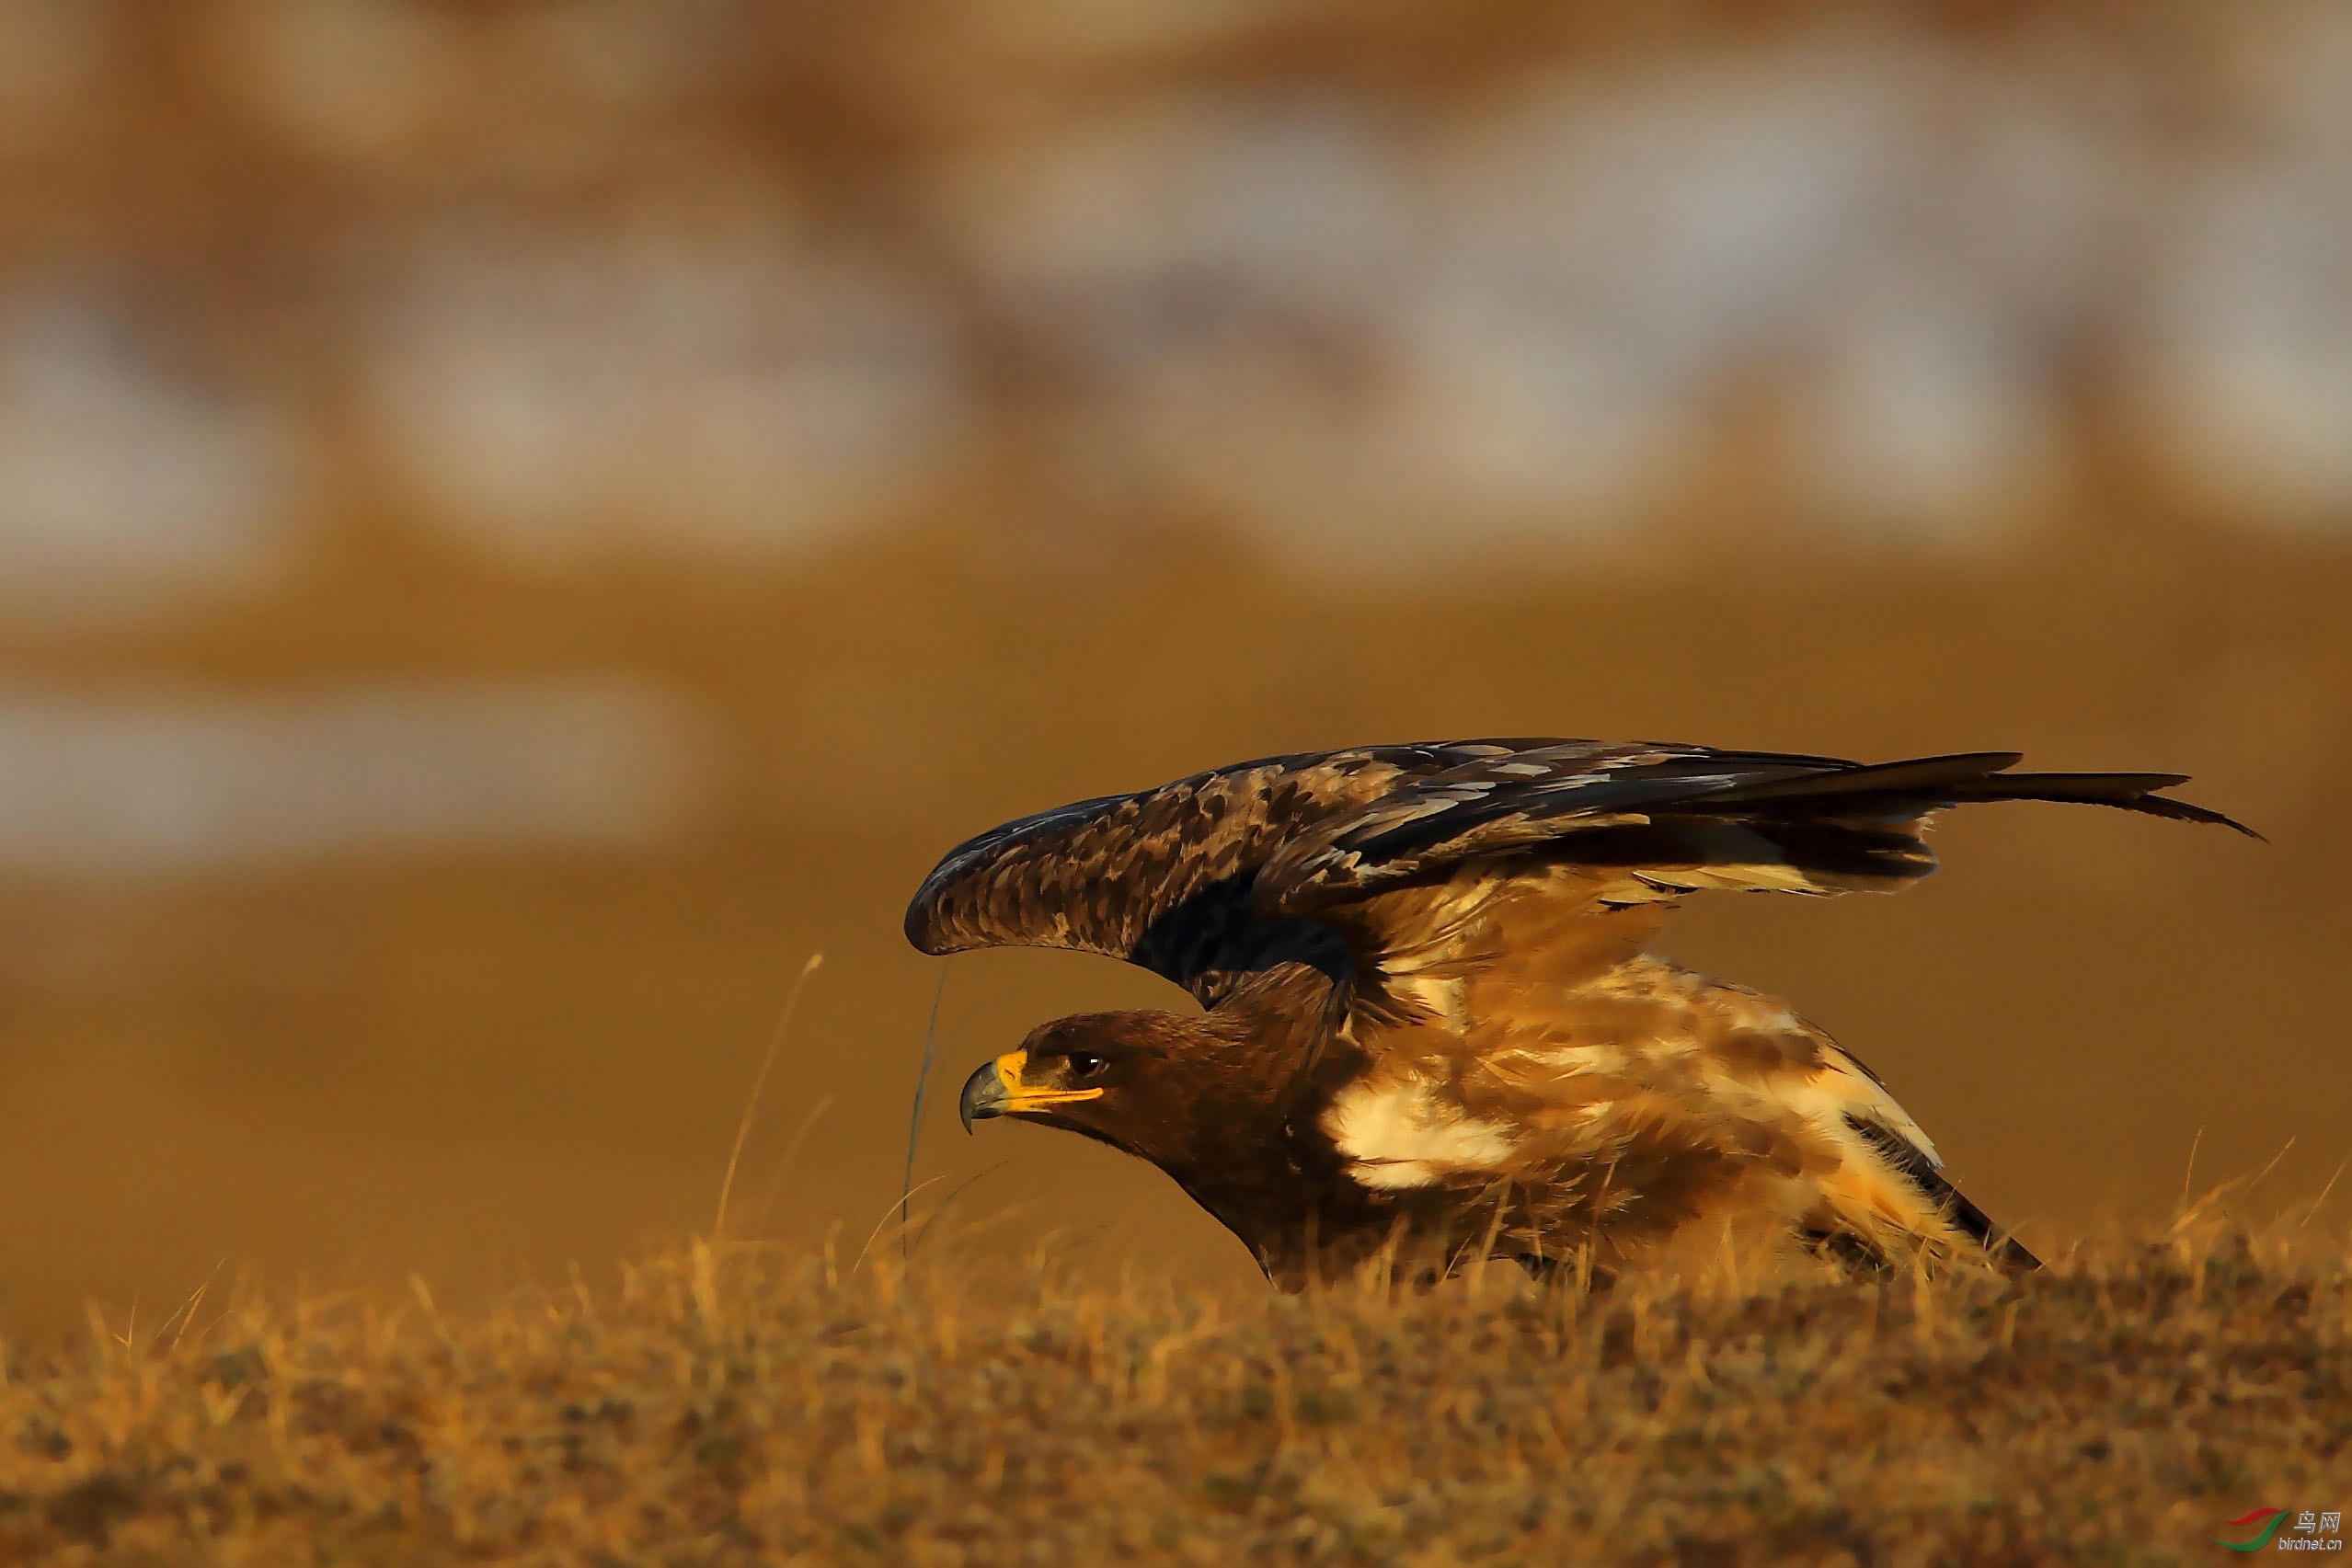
(1431, 1017)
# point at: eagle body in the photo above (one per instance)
(1431, 1026)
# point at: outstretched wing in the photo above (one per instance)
(1212, 876)
(1166, 878)
(1677, 818)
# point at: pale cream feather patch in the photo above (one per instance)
(1402, 1132)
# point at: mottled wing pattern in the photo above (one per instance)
(1228, 871)
(1164, 878)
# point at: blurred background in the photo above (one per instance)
(520, 521)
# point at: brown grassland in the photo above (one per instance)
(754, 1404)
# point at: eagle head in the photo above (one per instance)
(1081, 1073)
(1229, 1109)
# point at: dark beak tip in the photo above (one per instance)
(975, 1103)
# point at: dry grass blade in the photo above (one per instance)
(914, 1113)
(960, 1189)
(2320, 1202)
(784, 1161)
(186, 1316)
(751, 1102)
(875, 1234)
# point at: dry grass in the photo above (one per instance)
(744, 1407)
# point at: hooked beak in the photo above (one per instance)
(996, 1090)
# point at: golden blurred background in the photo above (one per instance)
(522, 521)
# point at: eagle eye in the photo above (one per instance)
(1084, 1064)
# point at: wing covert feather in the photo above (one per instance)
(1163, 877)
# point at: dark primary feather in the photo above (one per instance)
(1922, 1172)
(1213, 875)
(1850, 825)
